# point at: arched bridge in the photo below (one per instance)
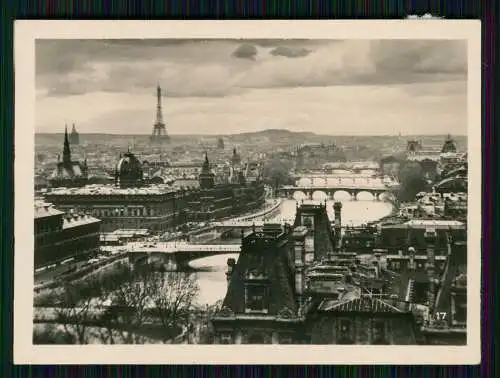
(233, 229)
(175, 255)
(352, 184)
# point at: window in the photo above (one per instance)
(379, 334)
(345, 335)
(256, 298)
(226, 338)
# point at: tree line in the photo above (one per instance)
(125, 306)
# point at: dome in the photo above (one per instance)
(449, 146)
(128, 170)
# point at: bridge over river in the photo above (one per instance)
(326, 186)
(175, 255)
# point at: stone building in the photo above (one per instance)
(133, 203)
(128, 203)
(59, 236)
(213, 201)
(365, 320)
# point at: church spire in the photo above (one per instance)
(66, 150)
(206, 163)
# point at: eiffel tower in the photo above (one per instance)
(159, 131)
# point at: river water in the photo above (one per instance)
(211, 274)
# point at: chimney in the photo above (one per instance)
(411, 254)
(337, 210)
(299, 246)
(230, 267)
(430, 236)
(376, 265)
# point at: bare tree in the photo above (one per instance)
(173, 296)
(129, 304)
(49, 334)
(76, 308)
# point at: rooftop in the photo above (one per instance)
(426, 223)
(434, 223)
(45, 209)
(75, 220)
(98, 189)
(364, 303)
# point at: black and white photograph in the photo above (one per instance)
(265, 189)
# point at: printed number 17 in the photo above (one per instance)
(440, 315)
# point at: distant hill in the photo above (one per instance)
(274, 133)
(271, 136)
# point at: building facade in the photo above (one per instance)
(59, 236)
(129, 203)
(214, 201)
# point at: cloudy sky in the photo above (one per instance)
(231, 86)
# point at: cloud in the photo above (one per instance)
(290, 52)
(215, 68)
(245, 51)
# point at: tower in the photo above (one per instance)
(66, 149)
(206, 178)
(159, 130)
(220, 143)
(74, 137)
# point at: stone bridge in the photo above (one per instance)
(234, 228)
(311, 192)
(173, 256)
(328, 185)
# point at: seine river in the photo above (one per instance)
(212, 279)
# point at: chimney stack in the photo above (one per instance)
(230, 267)
(299, 246)
(337, 210)
(411, 254)
(430, 240)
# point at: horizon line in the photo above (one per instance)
(255, 132)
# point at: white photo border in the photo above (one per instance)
(25, 34)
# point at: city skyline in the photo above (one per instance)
(319, 185)
(407, 87)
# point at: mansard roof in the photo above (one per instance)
(264, 257)
(367, 303)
